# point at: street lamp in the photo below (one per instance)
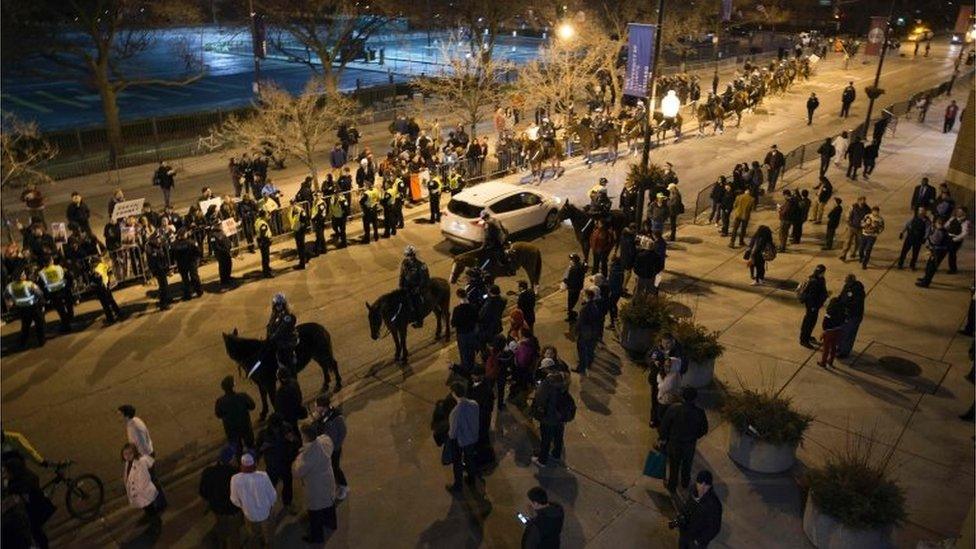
(717, 54)
(565, 31)
(877, 75)
(670, 104)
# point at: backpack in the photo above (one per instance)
(565, 407)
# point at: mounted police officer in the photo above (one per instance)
(282, 332)
(262, 232)
(414, 277)
(57, 290)
(299, 225)
(339, 212)
(29, 303)
(435, 185)
(547, 132)
(493, 246)
(319, 213)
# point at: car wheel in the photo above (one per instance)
(552, 219)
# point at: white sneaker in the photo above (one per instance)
(755, 283)
(342, 493)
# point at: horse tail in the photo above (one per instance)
(535, 273)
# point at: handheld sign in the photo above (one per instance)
(126, 208)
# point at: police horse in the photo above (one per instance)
(539, 151)
(583, 225)
(256, 358)
(520, 255)
(591, 140)
(392, 311)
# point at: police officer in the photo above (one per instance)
(282, 332)
(629, 197)
(29, 303)
(319, 212)
(435, 186)
(493, 246)
(454, 182)
(299, 225)
(370, 202)
(157, 258)
(339, 212)
(99, 276)
(389, 209)
(414, 277)
(595, 190)
(187, 256)
(401, 196)
(221, 246)
(547, 132)
(57, 290)
(262, 232)
(476, 291)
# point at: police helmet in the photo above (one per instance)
(603, 181)
(485, 214)
(410, 251)
(279, 299)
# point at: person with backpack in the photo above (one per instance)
(553, 407)
(812, 294)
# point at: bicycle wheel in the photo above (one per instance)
(84, 497)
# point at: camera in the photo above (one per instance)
(677, 522)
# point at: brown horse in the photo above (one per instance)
(663, 125)
(539, 151)
(590, 141)
(521, 255)
(714, 115)
(740, 102)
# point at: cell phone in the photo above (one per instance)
(522, 518)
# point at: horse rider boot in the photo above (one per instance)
(58, 292)
(29, 303)
(414, 277)
(493, 246)
(282, 332)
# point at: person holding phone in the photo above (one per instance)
(544, 522)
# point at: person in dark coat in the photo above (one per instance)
(826, 152)
(490, 315)
(330, 422)
(215, 490)
(288, 399)
(812, 104)
(278, 443)
(627, 250)
(938, 243)
(589, 327)
(187, 256)
(221, 246)
(855, 157)
(913, 236)
(526, 303)
(833, 221)
(774, 161)
(234, 409)
(482, 391)
(573, 282)
(20, 482)
(813, 296)
(615, 287)
(846, 98)
(79, 213)
(923, 196)
(683, 424)
(701, 515)
(545, 526)
(157, 259)
(464, 320)
(852, 297)
(553, 392)
(870, 157)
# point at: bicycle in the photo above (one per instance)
(85, 493)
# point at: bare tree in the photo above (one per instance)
(470, 84)
(22, 149)
(98, 42)
(295, 125)
(324, 34)
(480, 22)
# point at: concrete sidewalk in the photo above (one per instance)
(903, 387)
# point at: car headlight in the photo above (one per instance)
(556, 200)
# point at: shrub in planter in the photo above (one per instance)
(853, 502)
(642, 317)
(873, 92)
(766, 430)
(701, 348)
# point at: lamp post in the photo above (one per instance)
(646, 152)
(877, 74)
(717, 56)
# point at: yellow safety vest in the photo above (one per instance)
(394, 191)
(102, 270)
(22, 293)
(262, 229)
(296, 215)
(53, 277)
(438, 184)
(595, 189)
(373, 197)
(318, 207)
(337, 209)
(454, 180)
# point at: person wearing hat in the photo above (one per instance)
(774, 162)
(262, 232)
(812, 294)
(414, 278)
(493, 245)
(595, 190)
(670, 176)
(701, 517)
(629, 198)
(658, 212)
(681, 427)
(251, 490)
(215, 490)
(28, 301)
(675, 208)
(281, 331)
(573, 281)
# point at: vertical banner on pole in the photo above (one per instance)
(726, 11)
(640, 58)
(962, 21)
(876, 35)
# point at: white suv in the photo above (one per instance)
(518, 209)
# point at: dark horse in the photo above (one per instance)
(583, 225)
(520, 255)
(390, 310)
(256, 358)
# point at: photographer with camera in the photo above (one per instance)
(701, 518)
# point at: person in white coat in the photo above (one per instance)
(314, 467)
(840, 145)
(139, 487)
(136, 431)
(668, 383)
(252, 491)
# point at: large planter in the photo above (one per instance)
(826, 532)
(699, 374)
(636, 340)
(756, 455)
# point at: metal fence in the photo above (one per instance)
(808, 151)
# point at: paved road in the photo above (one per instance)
(169, 364)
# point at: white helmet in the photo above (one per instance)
(410, 251)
